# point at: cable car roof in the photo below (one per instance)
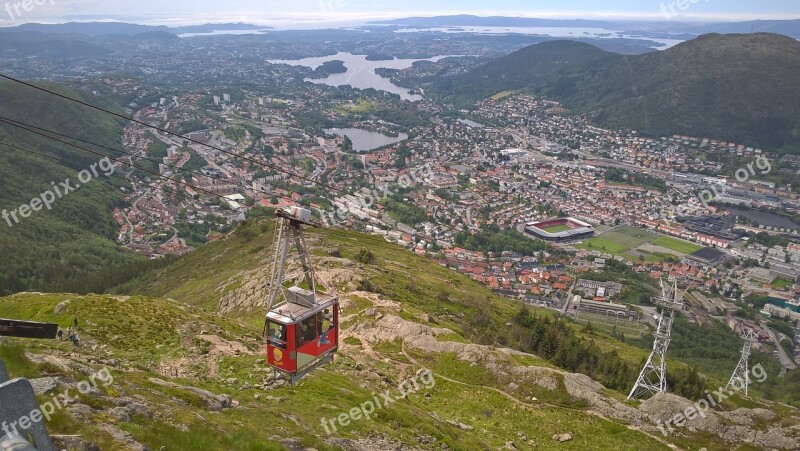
(291, 313)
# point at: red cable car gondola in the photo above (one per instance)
(301, 327)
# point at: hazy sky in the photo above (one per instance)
(282, 12)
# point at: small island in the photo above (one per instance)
(329, 68)
(379, 57)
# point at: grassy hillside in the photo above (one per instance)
(142, 338)
(401, 313)
(76, 237)
(735, 87)
(223, 269)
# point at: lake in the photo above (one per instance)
(763, 217)
(360, 72)
(365, 140)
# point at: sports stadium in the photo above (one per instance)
(560, 230)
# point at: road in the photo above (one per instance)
(784, 358)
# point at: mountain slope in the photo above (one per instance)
(194, 378)
(76, 236)
(743, 88)
(539, 67)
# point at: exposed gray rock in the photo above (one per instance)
(462, 426)
(44, 385)
(739, 426)
(371, 443)
(126, 440)
(212, 401)
(121, 414)
(562, 437)
(61, 308)
(74, 443)
(81, 411)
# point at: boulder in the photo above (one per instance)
(562, 437)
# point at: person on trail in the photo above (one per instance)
(60, 334)
(73, 337)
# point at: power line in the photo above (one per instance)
(5, 119)
(106, 156)
(70, 163)
(227, 152)
(78, 165)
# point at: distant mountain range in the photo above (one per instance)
(112, 28)
(649, 28)
(789, 28)
(744, 88)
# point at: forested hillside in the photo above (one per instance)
(50, 247)
(741, 88)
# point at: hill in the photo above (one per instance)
(75, 237)
(185, 353)
(742, 88)
(541, 68)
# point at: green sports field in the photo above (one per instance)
(676, 244)
(558, 228)
(631, 243)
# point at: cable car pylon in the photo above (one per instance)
(301, 327)
(740, 379)
(653, 378)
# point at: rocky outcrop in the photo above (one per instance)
(737, 426)
(251, 293)
(251, 287)
(212, 401)
(74, 443)
(371, 443)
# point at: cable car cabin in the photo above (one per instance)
(303, 333)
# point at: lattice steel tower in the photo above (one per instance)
(653, 378)
(741, 375)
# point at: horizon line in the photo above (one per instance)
(371, 18)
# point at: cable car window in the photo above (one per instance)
(307, 331)
(277, 335)
(324, 325)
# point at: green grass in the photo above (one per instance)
(609, 324)
(557, 228)
(678, 245)
(145, 331)
(604, 245)
(780, 284)
(355, 304)
(360, 106)
(502, 95)
(644, 235)
(626, 241)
